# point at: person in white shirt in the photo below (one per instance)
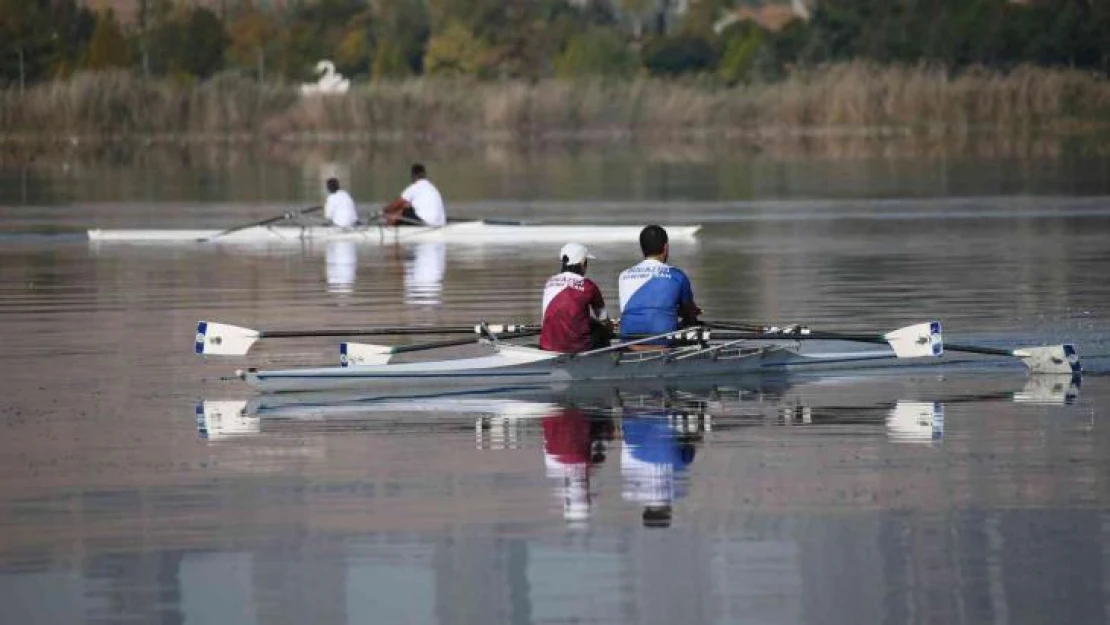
(340, 207)
(420, 204)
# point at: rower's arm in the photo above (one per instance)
(396, 206)
(688, 311)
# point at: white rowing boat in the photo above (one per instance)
(463, 232)
(368, 366)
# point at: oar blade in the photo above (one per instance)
(1055, 359)
(221, 339)
(917, 341)
(362, 354)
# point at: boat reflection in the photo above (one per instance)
(660, 427)
(342, 266)
(221, 420)
(916, 422)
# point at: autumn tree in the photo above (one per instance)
(253, 37)
(108, 46)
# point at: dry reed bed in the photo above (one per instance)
(850, 98)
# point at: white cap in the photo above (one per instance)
(575, 253)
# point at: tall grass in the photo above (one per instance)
(849, 99)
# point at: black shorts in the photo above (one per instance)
(409, 218)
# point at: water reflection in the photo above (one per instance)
(767, 487)
(654, 458)
(424, 269)
(342, 266)
(916, 422)
(572, 447)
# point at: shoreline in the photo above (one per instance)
(690, 146)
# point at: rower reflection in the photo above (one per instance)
(653, 459)
(424, 273)
(342, 265)
(573, 444)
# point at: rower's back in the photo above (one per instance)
(573, 306)
(340, 206)
(653, 294)
(425, 199)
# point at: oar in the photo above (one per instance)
(354, 354)
(915, 341)
(264, 222)
(221, 339)
(1054, 359)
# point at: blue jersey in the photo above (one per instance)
(651, 295)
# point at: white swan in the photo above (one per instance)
(330, 81)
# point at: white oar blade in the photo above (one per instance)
(917, 341)
(359, 354)
(221, 339)
(1050, 359)
(222, 419)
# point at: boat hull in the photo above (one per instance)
(525, 366)
(475, 232)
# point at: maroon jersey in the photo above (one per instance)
(569, 302)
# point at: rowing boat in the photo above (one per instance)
(463, 232)
(732, 352)
(527, 365)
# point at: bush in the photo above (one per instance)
(596, 53)
(678, 54)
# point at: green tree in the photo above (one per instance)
(516, 38)
(108, 47)
(49, 36)
(314, 31)
(596, 53)
(742, 46)
(455, 51)
(401, 29)
(190, 42)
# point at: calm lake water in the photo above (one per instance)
(963, 494)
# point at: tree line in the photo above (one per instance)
(42, 40)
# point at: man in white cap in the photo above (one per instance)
(574, 317)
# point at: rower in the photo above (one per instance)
(340, 206)
(420, 204)
(654, 296)
(574, 317)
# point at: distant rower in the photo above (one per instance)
(420, 204)
(574, 317)
(340, 207)
(655, 296)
